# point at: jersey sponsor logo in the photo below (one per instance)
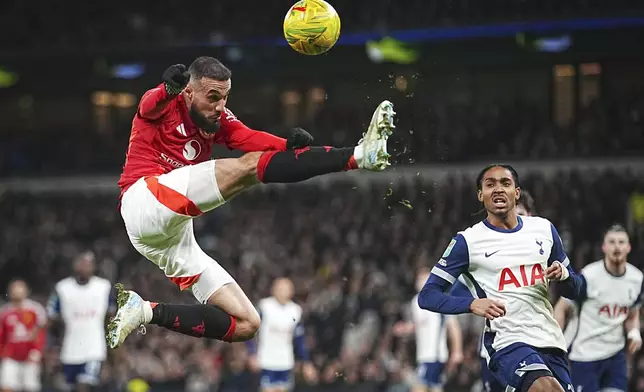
(182, 130)
(613, 311)
(171, 161)
(442, 262)
(449, 248)
(191, 150)
(490, 254)
(524, 276)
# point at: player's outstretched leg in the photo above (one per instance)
(302, 164)
(237, 175)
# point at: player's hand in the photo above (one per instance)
(634, 341)
(253, 364)
(488, 308)
(310, 373)
(454, 360)
(557, 272)
(402, 328)
(175, 79)
(298, 138)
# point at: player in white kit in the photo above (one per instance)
(508, 263)
(525, 207)
(609, 305)
(433, 330)
(82, 303)
(280, 336)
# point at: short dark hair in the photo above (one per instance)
(479, 178)
(527, 201)
(616, 228)
(209, 67)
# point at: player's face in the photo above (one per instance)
(421, 279)
(18, 291)
(207, 101)
(498, 193)
(84, 266)
(283, 290)
(616, 246)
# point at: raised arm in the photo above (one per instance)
(155, 102)
(237, 136)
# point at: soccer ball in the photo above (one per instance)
(312, 27)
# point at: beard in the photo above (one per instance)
(202, 122)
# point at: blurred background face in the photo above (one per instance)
(84, 266)
(521, 211)
(18, 291)
(283, 290)
(498, 192)
(616, 246)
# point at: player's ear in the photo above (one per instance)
(479, 194)
(517, 194)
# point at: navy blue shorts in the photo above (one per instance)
(609, 373)
(88, 373)
(490, 383)
(431, 374)
(276, 378)
(511, 364)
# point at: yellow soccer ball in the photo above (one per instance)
(312, 27)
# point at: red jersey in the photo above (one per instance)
(22, 336)
(164, 138)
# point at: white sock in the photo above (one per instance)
(358, 153)
(147, 312)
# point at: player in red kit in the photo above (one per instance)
(22, 340)
(169, 179)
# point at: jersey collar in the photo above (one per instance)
(500, 230)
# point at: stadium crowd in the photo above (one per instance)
(428, 132)
(351, 249)
(47, 26)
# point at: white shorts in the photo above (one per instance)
(19, 376)
(158, 213)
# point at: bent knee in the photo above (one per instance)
(248, 163)
(545, 384)
(247, 326)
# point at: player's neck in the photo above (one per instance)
(506, 222)
(615, 268)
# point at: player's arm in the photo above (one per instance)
(155, 102)
(453, 263)
(302, 353)
(632, 324)
(41, 321)
(53, 306)
(571, 284)
(563, 312)
(237, 136)
(455, 339)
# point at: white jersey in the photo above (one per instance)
(509, 266)
(431, 334)
(601, 312)
(280, 326)
(83, 309)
